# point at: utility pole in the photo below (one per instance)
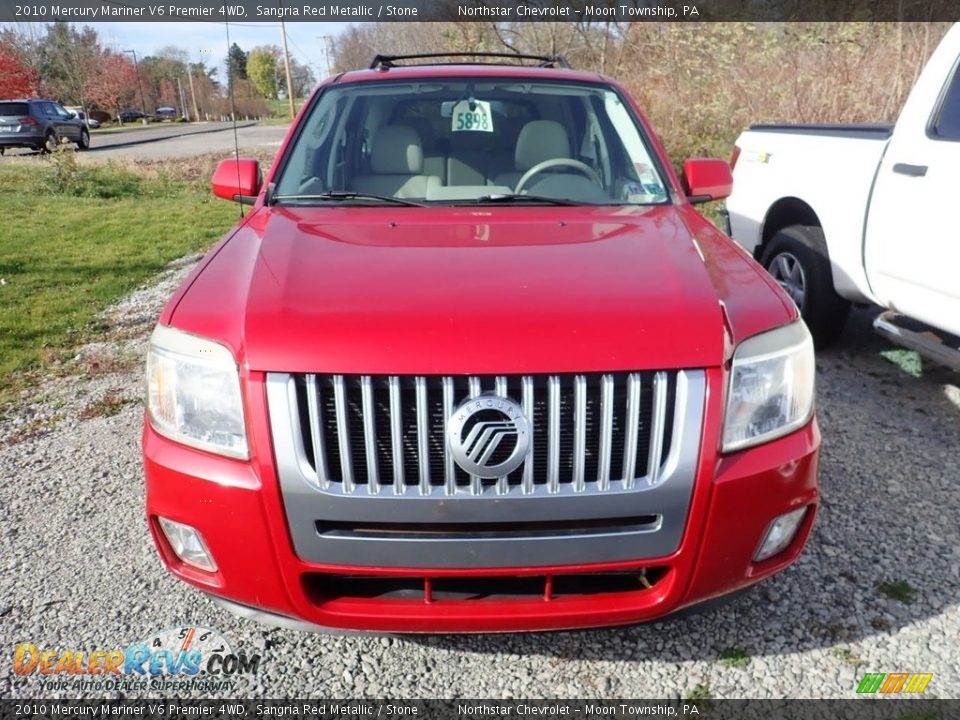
(327, 51)
(286, 67)
(193, 94)
(136, 67)
(184, 113)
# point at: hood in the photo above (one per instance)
(460, 290)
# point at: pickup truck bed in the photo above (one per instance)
(860, 213)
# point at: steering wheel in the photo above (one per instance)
(558, 162)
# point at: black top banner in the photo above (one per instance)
(581, 11)
(342, 709)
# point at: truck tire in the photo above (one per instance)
(84, 142)
(797, 258)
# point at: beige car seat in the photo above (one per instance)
(396, 162)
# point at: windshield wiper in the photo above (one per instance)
(349, 195)
(506, 199)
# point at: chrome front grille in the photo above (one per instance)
(386, 435)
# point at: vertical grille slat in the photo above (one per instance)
(606, 432)
(633, 417)
(588, 433)
(370, 435)
(553, 436)
(343, 432)
(528, 407)
(316, 432)
(476, 482)
(423, 435)
(396, 435)
(579, 431)
(500, 387)
(657, 427)
(449, 472)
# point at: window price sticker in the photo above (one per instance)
(472, 116)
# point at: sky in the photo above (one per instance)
(207, 41)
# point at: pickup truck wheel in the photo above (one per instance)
(797, 259)
(84, 142)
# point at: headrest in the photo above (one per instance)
(396, 151)
(424, 129)
(541, 140)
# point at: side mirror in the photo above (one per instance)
(707, 179)
(237, 179)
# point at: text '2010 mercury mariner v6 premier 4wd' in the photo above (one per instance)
(473, 362)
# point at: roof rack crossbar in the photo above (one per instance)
(384, 62)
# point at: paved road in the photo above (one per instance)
(185, 144)
(177, 141)
(156, 132)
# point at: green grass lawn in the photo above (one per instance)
(77, 238)
(281, 108)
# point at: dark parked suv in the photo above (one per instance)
(131, 115)
(39, 124)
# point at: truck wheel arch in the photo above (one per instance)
(827, 317)
(796, 256)
(784, 213)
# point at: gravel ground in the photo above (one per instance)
(78, 570)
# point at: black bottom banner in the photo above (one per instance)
(886, 709)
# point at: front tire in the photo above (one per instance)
(797, 258)
(84, 142)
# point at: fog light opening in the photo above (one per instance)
(188, 544)
(780, 533)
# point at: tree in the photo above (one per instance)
(167, 95)
(16, 78)
(236, 65)
(206, 89)
(302, 78)
(115, 84)
(352, 50)
(69, 58)
(160, 73)
(262, 68)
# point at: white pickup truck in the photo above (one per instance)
(864, 213)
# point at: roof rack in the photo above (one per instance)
(385, 62)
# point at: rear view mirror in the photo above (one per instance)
(707, 179)
(237, 179)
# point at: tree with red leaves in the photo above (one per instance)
(114, 84)
(17, 79)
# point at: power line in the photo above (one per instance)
(315, 65)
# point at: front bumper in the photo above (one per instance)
(238, 508)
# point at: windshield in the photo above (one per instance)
(470, 141)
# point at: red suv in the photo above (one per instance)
(473, 362)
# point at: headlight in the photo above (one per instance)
(193, 392)
(771, 387)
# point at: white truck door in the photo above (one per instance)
(912, 241)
